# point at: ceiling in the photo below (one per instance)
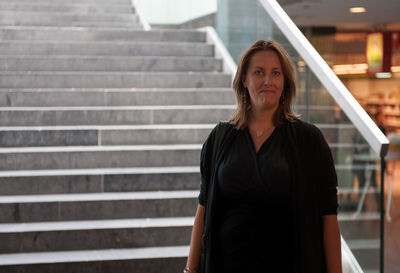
(380, 15)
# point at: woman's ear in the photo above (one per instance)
(244, 82)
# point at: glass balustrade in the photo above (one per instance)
(239, 23)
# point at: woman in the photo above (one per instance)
(268, 198)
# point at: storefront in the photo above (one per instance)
(377, 90)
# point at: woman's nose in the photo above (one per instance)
(266, 80)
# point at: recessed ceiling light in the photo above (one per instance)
(357, 9)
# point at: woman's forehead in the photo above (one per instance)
(265, 58)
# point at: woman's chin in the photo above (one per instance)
(267, 106)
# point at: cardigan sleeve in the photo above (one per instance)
(324, 168)
(205, 166)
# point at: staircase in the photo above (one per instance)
(100, 133)
(101, 125)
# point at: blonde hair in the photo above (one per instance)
(241, 115)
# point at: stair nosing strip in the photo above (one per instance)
(100, 171)
(119, 108)
(95, 148)
(13, 27)
(118, 73)
(117, 90)
(69, 13)
(104, 42)
(97, 224)
(74, 4)
(108, 127)
(107, 57)
(99, 196)
(352, 216)
(93, 255)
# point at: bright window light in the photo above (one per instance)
(383, 75)
(395, 69)
(343, 69)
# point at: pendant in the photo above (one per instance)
(259, 133)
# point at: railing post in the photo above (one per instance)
(382, 217)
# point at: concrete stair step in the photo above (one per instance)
(361, 226)
(115, 97)
(320, 114)
(64, 7)
(61, 2)
(67, 19)
(114, 115)
(113, 156)
(361, 232)
(51, 79)
(170, 259)
(98, 34)
(95, 234)
(97, 206)
(39, 158)
(109, 63)
(31, 136)
(104, 48)
(363, 244)
(368, 259)
(104, 135)
(366, 251)
(61, 181)
(85, 24)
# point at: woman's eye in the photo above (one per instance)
(276, 73)
(257, 72)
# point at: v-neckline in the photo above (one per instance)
(253, 147)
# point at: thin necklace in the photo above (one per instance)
(260, 133)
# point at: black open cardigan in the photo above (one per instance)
(314, 186)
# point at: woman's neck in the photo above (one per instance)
(264, 117)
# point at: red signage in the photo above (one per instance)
(379, 52)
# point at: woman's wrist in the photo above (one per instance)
(189, 269)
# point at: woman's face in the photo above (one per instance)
(264, 80)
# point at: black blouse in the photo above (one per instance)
(261, 218)
(254, 219)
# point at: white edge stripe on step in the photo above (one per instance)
(105, 57)
(103, 171)
(363, 244)
(140, 127)
(84, 5)
(103, 196)
(97, 224)
(104, 42)
(110, 73)
(85, 29)
(119, 108)
(93, 255)
(121, 148)
(109, 127)
(116, 90)
(352, 216)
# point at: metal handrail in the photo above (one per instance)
(143, 22)
(228, 65)
(349, 262)
(368, 129)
